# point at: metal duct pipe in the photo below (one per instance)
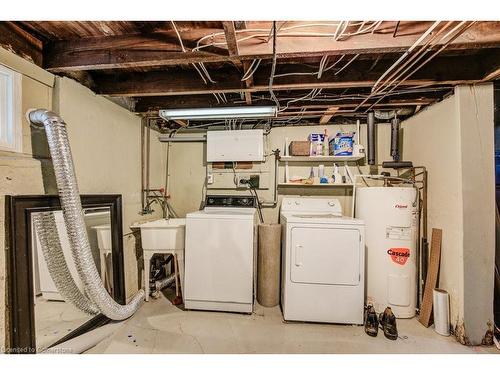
(395, 139)
(46, 229)
(69, 195)
(370, 131)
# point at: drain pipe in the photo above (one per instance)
(274, 202)
(371, 138)
(71, 205)
(395, 139)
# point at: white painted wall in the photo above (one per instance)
(454, 140)
(476, 124)
(19, 172)
(187, 169)
(431, 139)
(105, 142)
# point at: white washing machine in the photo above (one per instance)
(219, 256)
(323, 262)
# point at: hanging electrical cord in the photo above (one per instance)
(203, 69)
(273, 69)
(347, 64)
(264, 33)
(455, 36)
(251, 69)
(311, 73)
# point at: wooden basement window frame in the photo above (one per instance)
(10, 110)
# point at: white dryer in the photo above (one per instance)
(323, 262)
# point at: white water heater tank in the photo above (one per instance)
(391, 220)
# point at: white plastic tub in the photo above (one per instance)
(162, 234)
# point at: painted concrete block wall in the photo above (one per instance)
(431, 139)
(187, 169)
(19, 172)
(105, 142)
(476, 124)
(454, 140)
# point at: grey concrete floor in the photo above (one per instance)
(160, 327)
(54, 320)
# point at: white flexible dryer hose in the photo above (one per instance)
(69, 195)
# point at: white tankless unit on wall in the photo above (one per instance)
(391, 218)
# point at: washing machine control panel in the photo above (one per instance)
(229, 201)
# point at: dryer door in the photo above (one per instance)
(325, 255)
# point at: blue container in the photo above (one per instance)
(342, 144)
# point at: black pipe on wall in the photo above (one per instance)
(395, 139)
(371, 151)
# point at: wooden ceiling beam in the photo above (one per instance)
(20, 42)
(466, 70)
(328, 114)
(147, 104)
(232, 43)
(160, 49)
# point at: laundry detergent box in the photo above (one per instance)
(342, 144)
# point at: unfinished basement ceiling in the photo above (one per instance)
(323, 71)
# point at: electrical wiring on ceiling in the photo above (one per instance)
(273, 69)
(205, 76)
(452, 34)
(251, 69)
(337, 34)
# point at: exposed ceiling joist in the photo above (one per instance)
(146, 104)
(466, 70)
(160, 49)
(231, 41)
(17, 40)
(328, 115)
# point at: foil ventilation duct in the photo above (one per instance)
(69, 195)
(46, 229)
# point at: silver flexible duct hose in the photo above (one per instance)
(69, 195)
(45, 226)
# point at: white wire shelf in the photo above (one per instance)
(300, 184)
(316, 159)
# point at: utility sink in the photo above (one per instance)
(162, 234)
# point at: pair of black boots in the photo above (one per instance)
(387, 320)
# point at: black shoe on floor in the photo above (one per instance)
(388, 322)
(371, 321)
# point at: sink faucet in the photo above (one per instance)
(156, 196)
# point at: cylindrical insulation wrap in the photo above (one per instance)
(268, 265)
(395, 139)
(370, 131)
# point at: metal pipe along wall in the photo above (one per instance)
(371, 138)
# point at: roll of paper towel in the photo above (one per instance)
(441, 307)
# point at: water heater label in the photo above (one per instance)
(399, 255)
(398, 233)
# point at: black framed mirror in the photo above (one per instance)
(38, 317)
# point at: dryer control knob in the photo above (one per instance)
(331, 203)
(297, 203)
